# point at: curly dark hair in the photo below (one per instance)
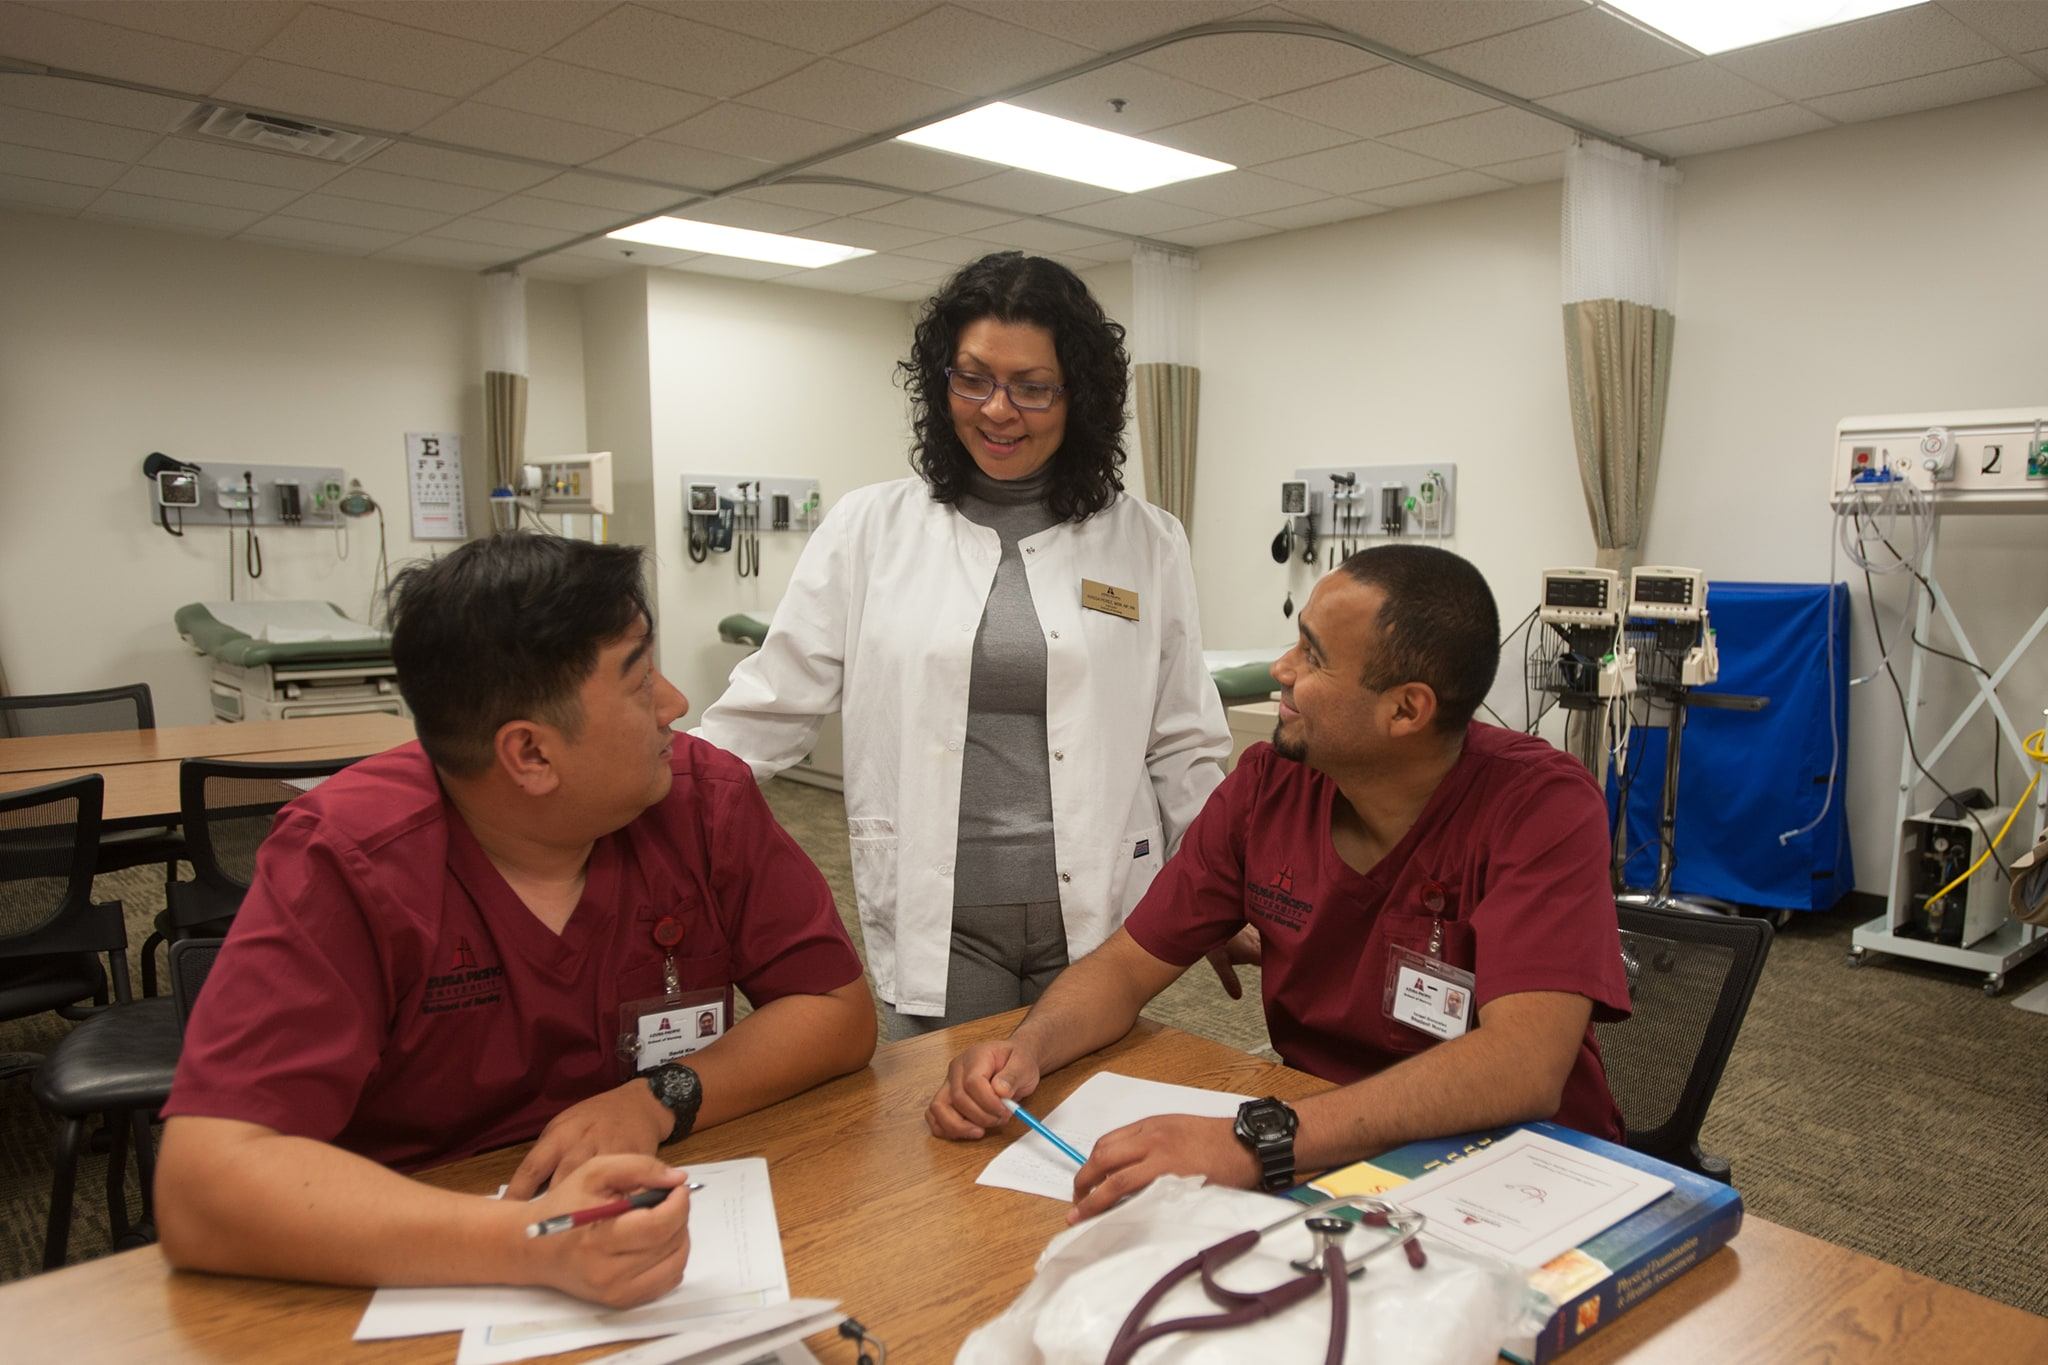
(1087, 470)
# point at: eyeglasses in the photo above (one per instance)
(1025, 395)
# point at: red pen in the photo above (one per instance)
(562, 1222)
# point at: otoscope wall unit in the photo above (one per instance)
(276, 494)
(782, 503)
(1348, 505)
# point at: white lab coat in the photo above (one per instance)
(879, 623)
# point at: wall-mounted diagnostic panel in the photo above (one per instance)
(1353, 503)
(1983, 459)
(225, 493)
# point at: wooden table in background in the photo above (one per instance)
(141, 766)
(887, 1219)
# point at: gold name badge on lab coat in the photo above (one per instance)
(1113, 601)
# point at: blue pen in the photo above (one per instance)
(1048, 1134)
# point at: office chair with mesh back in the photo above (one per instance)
(191, 963)
(81, 713)
(226, 808)
(1690, 976)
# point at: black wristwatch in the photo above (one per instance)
(680, 1092)
(1267, 1127)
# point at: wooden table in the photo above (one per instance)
(141, 766)
(887, 1219)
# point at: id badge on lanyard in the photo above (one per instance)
(1423, 991)
(660, 1028)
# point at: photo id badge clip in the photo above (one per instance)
(1427, 994)
(661, 1028)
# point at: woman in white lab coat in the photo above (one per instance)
(1013, 644)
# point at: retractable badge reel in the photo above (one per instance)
(1422, 990)
(661, 1028)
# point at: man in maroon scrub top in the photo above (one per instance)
(1429, 896)
(449, 948)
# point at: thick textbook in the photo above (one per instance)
(1607, 1274)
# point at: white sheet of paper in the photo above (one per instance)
(760, 1336)
(1527, 1198)
(1105, 1101)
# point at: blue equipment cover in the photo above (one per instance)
(1746, 777)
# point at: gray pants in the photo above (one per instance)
(1003, 956)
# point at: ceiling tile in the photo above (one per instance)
(1435, 189)
(44, 194)
(901, 293)
(1358, 166)
(951, 250)
(1339, 210)
(1418, 28)
(873, 236)
(1255, 66)
(65, 40)
(675, 164)
(142, 208)
(1586, 48)
(380, 187)
(732, 267)
(1216, 234)
(803, 24)
(1385, 99)
(375, 50)
(516, 236)
(1677, 95)
(836, 199)
(834, 92)
(1886, 47)
(55, 133)
(965, 51)
(1978, 82)
(321, 95)
(848, 277)
(1027, 192)
(926, 213)
(634, 253)
(1116, 249)
(1140, 216)
(666, 50)
(899, 163)
(1534, 170)
(572, 270)
(231, 161)
(509, 131)
(333, 208)
(345, 236)
(1037, 234)
(236, 25)
(599, 99)
(577, 187)
(551, 213)
(740, 130)
(757, 215)
(438, 251)
(203, 189)
(1482, 139)
(530, 25)
(2015, 27)
(1249, 135)
(1765, 125)
(459, 168)
(1151, 100)
(1107, 27)
(1234, 194)
(98, 103)
(64, 167)
(2038, 60)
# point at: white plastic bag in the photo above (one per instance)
(1458, 1309)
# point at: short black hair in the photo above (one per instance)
(507, 629)
(1087, 470)
(1437, 625)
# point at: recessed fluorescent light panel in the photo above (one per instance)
(686, 234)
(1710, 26)
(1031, 141)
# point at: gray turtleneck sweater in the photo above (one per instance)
(1006, 854)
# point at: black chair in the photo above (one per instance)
(80, 713)
(1690, 979)
(191, 963)
(226, 808)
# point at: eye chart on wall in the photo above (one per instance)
(433, 460)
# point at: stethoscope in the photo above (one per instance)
(1326, 1267)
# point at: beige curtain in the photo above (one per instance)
(505, 426)
(1618, 369)
(1169, 403)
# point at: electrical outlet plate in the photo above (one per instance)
(222, 502)
(1370, 483)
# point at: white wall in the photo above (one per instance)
(1891, 266)
(118, 341)
(750, 378)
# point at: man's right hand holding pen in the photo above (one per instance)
(620, 1261)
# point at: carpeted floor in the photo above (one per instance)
(1893, 1109)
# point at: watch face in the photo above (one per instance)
(1266, 1127)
